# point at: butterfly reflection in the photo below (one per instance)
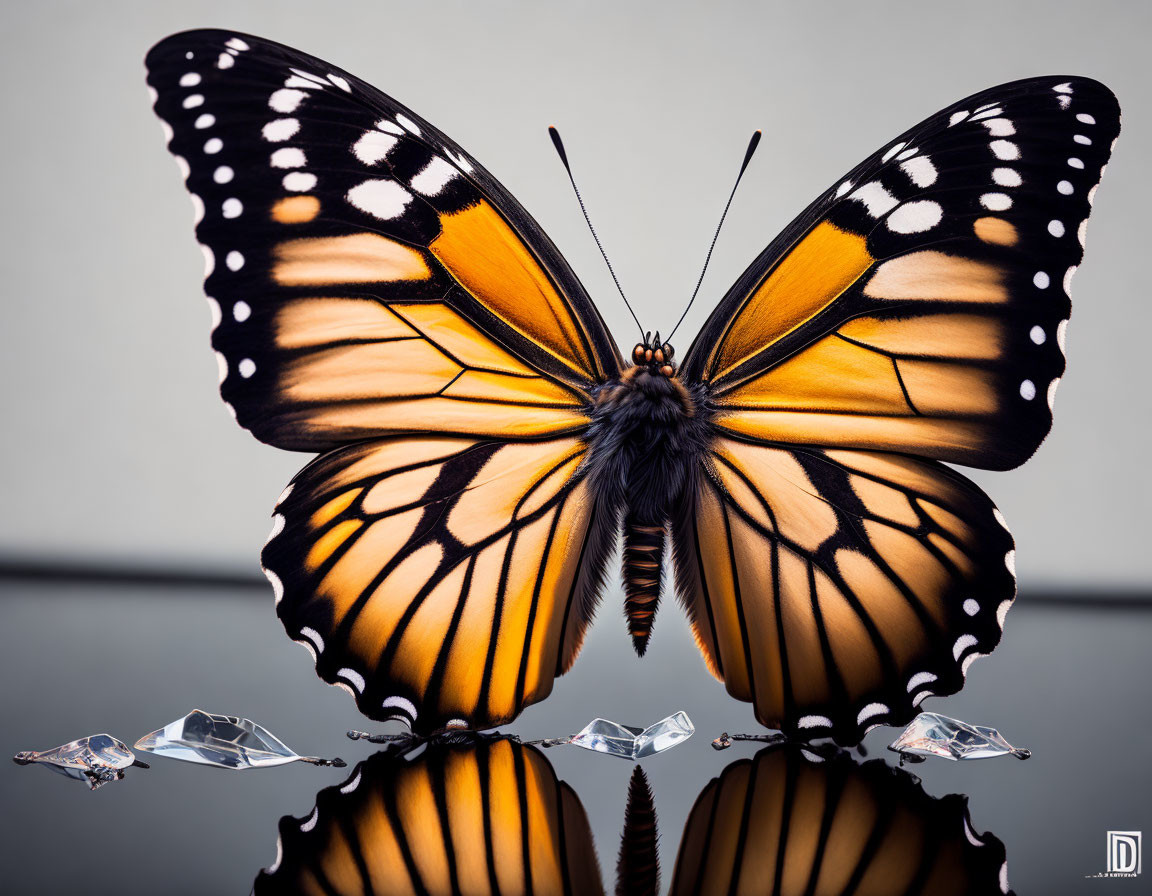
(491, 816)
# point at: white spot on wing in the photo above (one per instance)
(957, 117)
(231, 207)
(237, 43)
(288, 157)
(1010, 561)
(1068, 274)
(1027, 390)
(234, 260)
(299, 181)
(434, 177)
(1041, 279)
(1002, 612)
(197, 208)
(1061, 333)
(814, 722)
(354, 678)
(999, 127)
(389, 127)
(280, 129)
(920, 678)
(1085, 118)
(892, 150)
(314, 636)
(971, 607)
(224, 61)
(223, 174)
(306, 826)
(342, 83)
(286, 99)
(247, 367)
(401, 703)
(1007, 177)
(843, 188)
(204, 121)
(1056, 228)
(1005, 150)
(1052, 393)
(920, 171)
(1037, 335)
(241, 311)
(189, 80)
(408, 124)
(915, 217)
(193, 101)
(962, 644)
(373, 147)
(355, 782)
(277, 585)
(876, 199)
(383, 199)
(213, 145)
(870, 711)
(996, 202)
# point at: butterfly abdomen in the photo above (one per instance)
(647, 435)
(643, 565)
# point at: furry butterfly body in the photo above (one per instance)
(380, 299)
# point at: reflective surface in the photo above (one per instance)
(1069, 683)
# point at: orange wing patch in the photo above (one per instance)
(362, 367)
(808, 279)
(491, 262)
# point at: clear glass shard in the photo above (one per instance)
(931, 734)
(95, 760)
(224, 742)
(604, 736)
(664, 735)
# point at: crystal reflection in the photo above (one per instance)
(491, 816)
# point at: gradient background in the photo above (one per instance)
(119, 454)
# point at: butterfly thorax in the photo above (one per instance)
(647, 436)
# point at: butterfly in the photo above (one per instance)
(491, 816)
(379, 299)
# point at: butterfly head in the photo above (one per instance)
(655, 355)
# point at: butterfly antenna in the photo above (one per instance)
(752, 144)
(564, 158)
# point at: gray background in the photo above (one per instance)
(117, 448)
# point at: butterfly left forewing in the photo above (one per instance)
(367, 275)
(836, 590)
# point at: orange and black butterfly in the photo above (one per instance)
(381, 299)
